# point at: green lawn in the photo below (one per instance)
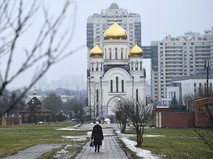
(15, 138)
(177, 144)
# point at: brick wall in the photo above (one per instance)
(177, 119)
(201, 120)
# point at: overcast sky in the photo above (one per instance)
(159, 18)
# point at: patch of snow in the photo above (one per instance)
(77, 138)
(67, 146)
(89, 133)
(75, 127)
(153, 135)
(69, 129)
(62, 151)
(139, 152)
(131, 145)
(145, 135)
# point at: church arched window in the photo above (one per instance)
(110, 53)
(122, 53)
(116, 53)
(122, 85)
(131, 65)
(116, 84)
(136, 95)
(97, 97)
(96, 66)
(101, 66)
(141, 65)
(92, 66)
(111, 85)
(136, 65)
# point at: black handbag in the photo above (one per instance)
(91, 144)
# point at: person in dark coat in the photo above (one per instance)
(97, 136)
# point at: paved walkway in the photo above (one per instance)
(34, 152)
(110, 150)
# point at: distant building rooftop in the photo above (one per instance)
(114, 6)
(197, 76)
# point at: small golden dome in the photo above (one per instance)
(115, 32)
(96, 52)
(136, 51)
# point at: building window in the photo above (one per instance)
(136, 95)
(141, 65)
(92, 67)
(97, 95)
(101, 66)
(122, 85)
(111, 85)
(136, 65)
(116, 53)
(110, 53)
(97, 66)
(116, 84)
(122, 53)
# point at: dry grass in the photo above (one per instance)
(177, 144)
(16, 138)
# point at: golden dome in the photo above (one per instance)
(115, 32)
(96, 52)
(136, 51)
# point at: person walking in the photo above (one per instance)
(97, 136)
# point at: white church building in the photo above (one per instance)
(114, 72)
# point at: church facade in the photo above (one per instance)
(114, 73)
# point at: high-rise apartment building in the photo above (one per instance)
(98, 23)
(211, 49)
(179, 56)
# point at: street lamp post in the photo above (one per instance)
(101, 98)
(90, 99)
(132, 87)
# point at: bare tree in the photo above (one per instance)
(188, 97)
(4, 102)
(138, 114)
(121, 116)
(206, 133)
(53, 102)
(49, 46)
(77, 109)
